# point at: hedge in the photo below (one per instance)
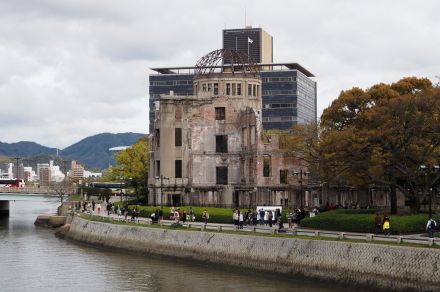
(355, 221)
(216, 215)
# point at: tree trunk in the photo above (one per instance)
(393, 199)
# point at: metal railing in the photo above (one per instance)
(367, 237)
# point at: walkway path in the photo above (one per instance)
(411, 238)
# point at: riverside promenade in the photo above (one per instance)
(419, 239)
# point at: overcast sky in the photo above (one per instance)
(71, 69)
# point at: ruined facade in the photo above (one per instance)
(208, 148)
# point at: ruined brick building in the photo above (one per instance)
(208, 148)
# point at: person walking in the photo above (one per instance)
(205, 216)
(261, 213)
(99, 208)
(93, 205)
(240, 220)
(269, 218)
(191, 214)
(177, 215)
(430, 227)
(378, 223)
(160, 213)
(235, 217)
(184, 216)
(386, 225)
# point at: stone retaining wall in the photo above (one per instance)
(379, 266)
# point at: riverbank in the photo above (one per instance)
(385, 267)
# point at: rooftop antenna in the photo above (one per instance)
(245, 22)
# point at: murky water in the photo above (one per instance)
(33, 259)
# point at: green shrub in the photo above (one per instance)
(216, 215)
(350, 221)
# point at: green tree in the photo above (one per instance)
(383, 135)
(132, 163)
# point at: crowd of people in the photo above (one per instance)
(250, 217)
(179, 216)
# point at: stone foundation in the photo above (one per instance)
(372, 265)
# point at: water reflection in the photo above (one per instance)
(33, 259)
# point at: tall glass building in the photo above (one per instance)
(289, 93)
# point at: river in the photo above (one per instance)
(33, 259)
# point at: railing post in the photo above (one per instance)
(430, 241)
(254, 229)
(294, 231)
(189, 225)
(399, 239)
(203, 228)
(316, 233)
(369, 237)
(341, 235)
(219, 228)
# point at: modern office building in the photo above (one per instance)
(288, 92)
(255, 42)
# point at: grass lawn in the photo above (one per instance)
(353, 221)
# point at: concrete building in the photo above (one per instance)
(208, 148)
(44, 174)
(76, 171)
(288, 93)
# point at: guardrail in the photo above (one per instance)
(27, 190)
(367, 237)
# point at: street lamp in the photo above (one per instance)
(426, 171)
(161, 188)
(300, 174)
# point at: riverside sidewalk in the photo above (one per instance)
(412, 238)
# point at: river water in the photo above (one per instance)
(33, 259)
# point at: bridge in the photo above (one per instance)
(26, 193)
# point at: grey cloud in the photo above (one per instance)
(77, 68)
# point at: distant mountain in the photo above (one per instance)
(92, 151)
(25, 148)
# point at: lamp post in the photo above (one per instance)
(426, 171)
(301, 173)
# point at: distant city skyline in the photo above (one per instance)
(71, 69)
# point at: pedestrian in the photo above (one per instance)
(430, 227)
(235, 218)
(99, 208)
(290, 219)
(261, 213)
(184, 216)
(205, 216)
(254, 218)
(191, 214)
(240, 220)
(172, 213)
(269, 218)
(160, 213)
(93, 205)
(177, 216)
(386, 225)
(377, 223)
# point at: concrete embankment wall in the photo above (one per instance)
(378, 266)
